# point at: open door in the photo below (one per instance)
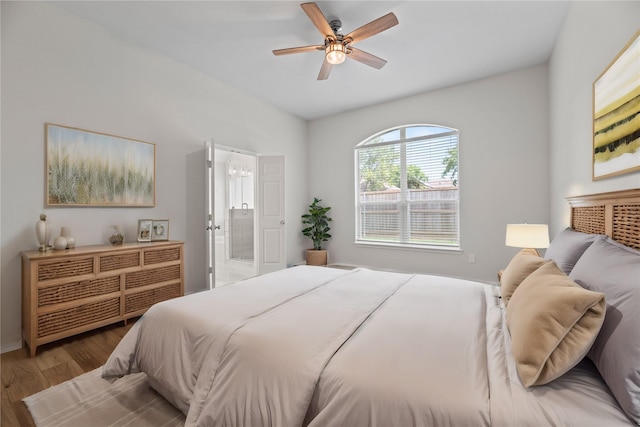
(269, 241)
(271, 218)
(209, 186)
(233, 219)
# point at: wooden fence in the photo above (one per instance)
(431, 213)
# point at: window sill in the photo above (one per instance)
(414, 248)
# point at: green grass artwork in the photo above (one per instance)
(92, 169)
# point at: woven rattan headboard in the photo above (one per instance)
(616, 214)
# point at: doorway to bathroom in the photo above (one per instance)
(234, 216)
(245, 214)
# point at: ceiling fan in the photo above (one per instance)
(338, 47)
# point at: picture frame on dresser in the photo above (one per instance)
(144, 230)
(159, 229)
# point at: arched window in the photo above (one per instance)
(407, 188)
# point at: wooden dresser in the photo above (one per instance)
(72, 291)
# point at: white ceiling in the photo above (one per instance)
(436, 44)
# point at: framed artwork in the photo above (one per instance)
(616, 114)
(160, 229)
(87, 168)
(144, 230)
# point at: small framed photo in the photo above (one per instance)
(144, 230)
(160, 229)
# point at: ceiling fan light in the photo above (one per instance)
(335, 53)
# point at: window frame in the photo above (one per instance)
(404, 203)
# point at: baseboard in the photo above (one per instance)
(11, 347)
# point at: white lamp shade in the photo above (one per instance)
(527, 235)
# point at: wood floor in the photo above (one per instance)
(53, 364)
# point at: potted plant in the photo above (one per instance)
(317, 228)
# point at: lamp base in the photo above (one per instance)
(531, 251)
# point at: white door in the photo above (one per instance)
(271, 226)
(209, 225)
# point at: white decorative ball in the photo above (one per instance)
(59, 243)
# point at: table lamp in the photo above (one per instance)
(528, 236)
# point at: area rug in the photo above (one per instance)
(88, 400)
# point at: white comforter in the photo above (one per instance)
(319, 346)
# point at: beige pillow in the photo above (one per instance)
(553, 323)
(520, 267)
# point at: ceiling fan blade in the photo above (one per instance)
(300, 49)
(372, 28)
(315, 14)
(366, 58)
(325, 70)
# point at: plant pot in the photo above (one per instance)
(316, 257)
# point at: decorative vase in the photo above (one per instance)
(66, 233)
(59, 243)
(116, 237)
(41, 234)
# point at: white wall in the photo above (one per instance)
(504, 174)
(60, 69)
(592, 35)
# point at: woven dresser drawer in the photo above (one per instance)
(150, 276)
(64, 320)
(157, 256)
(142, 300)
(77, 290)
(119, 261)
(67, 267)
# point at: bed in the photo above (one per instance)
(557, 343)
